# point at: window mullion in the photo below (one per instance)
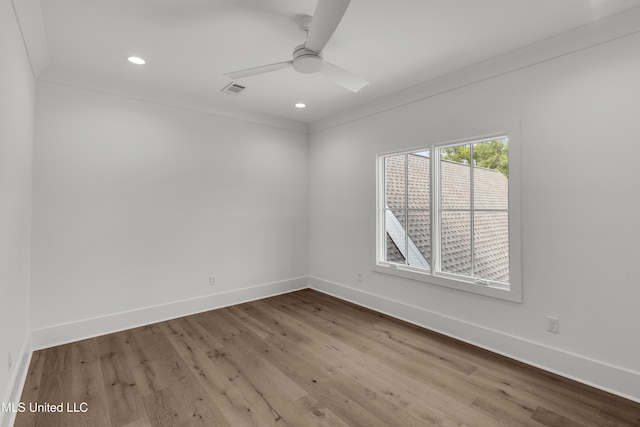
(434, 171)
(406, 209)
(471, 209)
(382, 194)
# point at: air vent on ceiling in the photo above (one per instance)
(233, 88)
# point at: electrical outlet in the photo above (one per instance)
(553, 324)
(10, 359)
(359, 276)
(212, 280)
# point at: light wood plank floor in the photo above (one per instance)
(301, 359)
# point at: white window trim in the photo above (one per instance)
(491, 289)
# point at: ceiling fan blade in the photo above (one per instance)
(344, 78)
(325, 20)
(259, 70)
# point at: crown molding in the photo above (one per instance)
(606, 30)
(162, 96)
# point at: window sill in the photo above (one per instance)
(447, 282)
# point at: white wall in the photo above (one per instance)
(580, 207)
(16, 142)
(136, 204)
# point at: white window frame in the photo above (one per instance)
(512, 291)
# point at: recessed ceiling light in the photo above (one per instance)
(136, 60)
(300, 105)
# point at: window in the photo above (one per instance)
(447, 216)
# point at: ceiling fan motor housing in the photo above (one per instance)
(306, 61)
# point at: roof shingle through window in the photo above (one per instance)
(491, 243)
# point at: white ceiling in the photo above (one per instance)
(190, 44)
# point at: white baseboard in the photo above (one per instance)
(612, 379)
(89, 328)
(17, 383)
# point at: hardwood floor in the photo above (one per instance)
(301, 359)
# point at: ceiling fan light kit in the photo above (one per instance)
(307, 58)
(306, 61)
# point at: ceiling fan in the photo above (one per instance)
(307, 58)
